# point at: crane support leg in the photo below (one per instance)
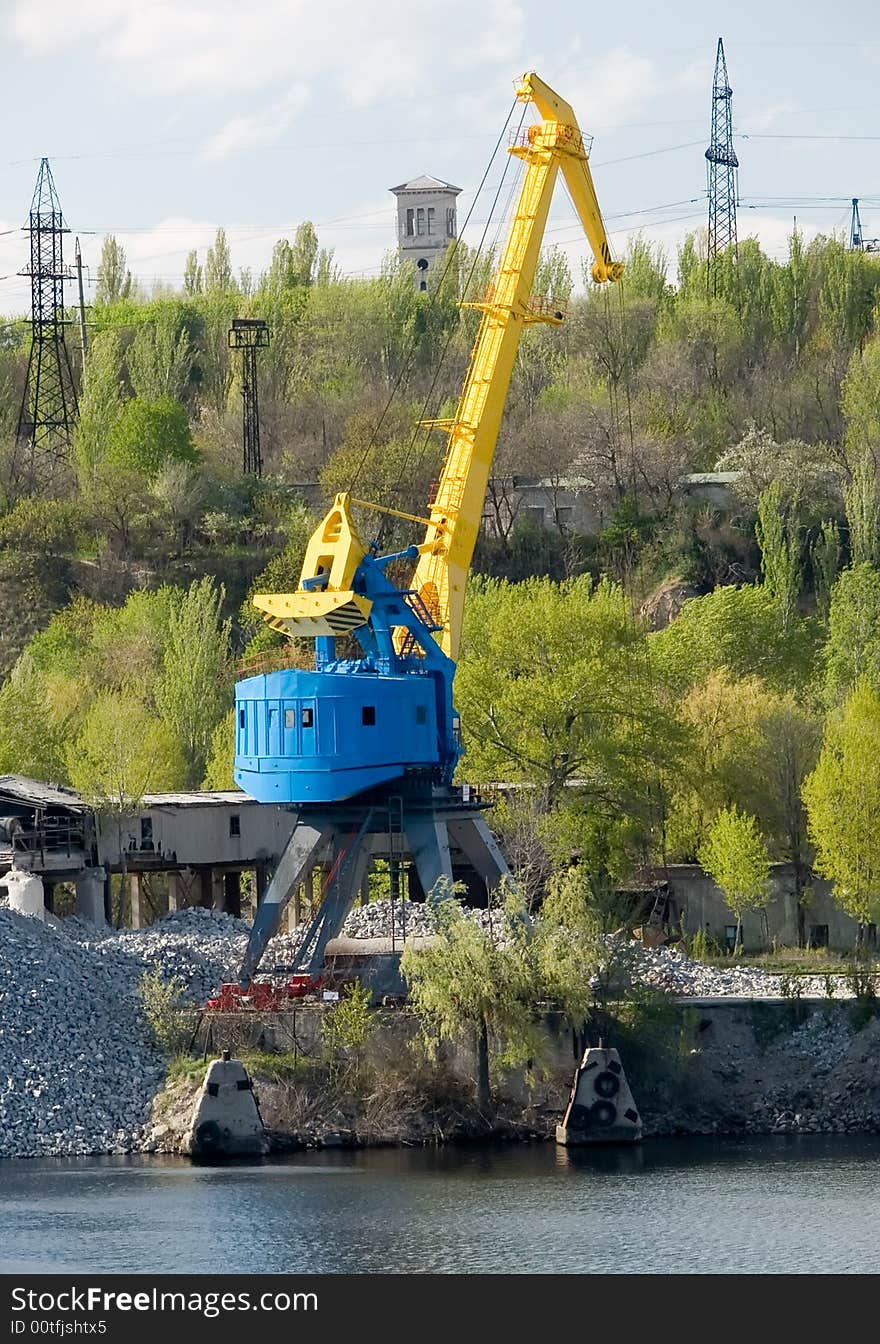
(431, 832)
(477, 844)
(351, 857)
(428, 840)
(299, 855)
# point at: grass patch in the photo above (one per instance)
(282, 1067)
(794, 961)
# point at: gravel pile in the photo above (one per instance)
(409, 918)
(78, 1068)
(823, 1038)
(671, 970)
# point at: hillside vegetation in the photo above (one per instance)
(124, 578)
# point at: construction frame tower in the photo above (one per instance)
(249, 334)
(722, 166)
(48, 404)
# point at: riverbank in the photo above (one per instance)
(81, 1072)
(697, 1067)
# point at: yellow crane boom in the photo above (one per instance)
(325, 603)
(445, 556)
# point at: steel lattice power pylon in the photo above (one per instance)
(250, 334)
(48, 406)
(723, 164)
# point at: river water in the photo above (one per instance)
(805, 1204)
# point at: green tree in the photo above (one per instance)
(557, 689)
(860, 399)
(572, 945)
(218, 266)
(147, 434)
(160, 358)
(740, 628)
(863, 512)
(304, 254)
(31, 741)
(852, 650)
(221, 754)
(192, 274)
(466, 981)
(101, 400)
(122, 753)
(193, 690)
(735, 856)
(780, 552)
(114, 280)
(825, 564)
(842, 797)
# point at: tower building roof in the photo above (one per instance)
(425, 183)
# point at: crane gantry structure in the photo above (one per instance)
(364, 749)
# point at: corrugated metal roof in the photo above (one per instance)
(24, 790)
(201, 798)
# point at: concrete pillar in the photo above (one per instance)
(232, 894)
(261, 873)
(218, 898)
(108, 898)
(90, 895)
(206, 891)
(173, 892)
(135, 900)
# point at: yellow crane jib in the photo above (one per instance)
(555, 143)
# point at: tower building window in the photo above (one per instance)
(420, 221)
(409, 223)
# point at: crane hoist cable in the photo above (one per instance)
(419, 427)
(451, 258)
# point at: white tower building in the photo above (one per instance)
(426, 222)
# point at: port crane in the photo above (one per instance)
(364, 749)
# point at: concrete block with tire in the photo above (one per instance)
(600, 1107)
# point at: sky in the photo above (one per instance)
(163, 119)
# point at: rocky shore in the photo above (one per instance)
(80, 1072)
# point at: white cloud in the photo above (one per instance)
(373, 52)
(261, 129)
(610, 89)
(762, 119)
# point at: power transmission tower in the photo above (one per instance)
(249, 334)
(857, 241)
(48, 406)
(723, 164)
(83, 334)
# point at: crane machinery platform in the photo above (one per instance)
(363, 748)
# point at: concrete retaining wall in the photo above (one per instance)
(694, 1065)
